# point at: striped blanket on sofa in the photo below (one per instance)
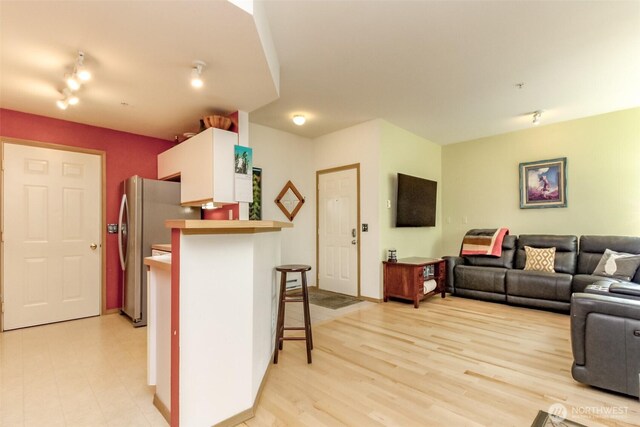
(484, 242)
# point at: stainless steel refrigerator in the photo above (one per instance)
(145, 205)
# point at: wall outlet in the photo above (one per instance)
(388, 204)
(365, 228)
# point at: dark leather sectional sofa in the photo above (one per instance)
(505, 280)
(605, 312)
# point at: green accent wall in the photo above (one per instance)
(481, 182)
(402, 151)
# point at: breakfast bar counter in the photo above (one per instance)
(222, 318)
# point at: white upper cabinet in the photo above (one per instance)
(205, 164)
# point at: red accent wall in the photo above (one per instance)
(127, 154)
(222, 212)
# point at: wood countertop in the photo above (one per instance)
(159, 261)
(166, 247)
(213, 226)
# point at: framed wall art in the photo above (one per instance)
(543, 184)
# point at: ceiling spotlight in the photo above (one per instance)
(196, 74)
(62, 104)
(68, 98)
(73, 82)
(81, 70)
(299, 119)
(536, 117)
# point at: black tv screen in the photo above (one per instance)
(416, 202)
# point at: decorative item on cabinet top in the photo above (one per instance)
(216, 121)
(289, 200)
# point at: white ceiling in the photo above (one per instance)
(444, 70)
(141, 53)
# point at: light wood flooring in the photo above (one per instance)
(452, 362)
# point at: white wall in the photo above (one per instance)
(282, 157)
(359, 144)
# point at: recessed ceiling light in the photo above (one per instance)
(299, 119)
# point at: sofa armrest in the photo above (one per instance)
(625, 288)
(451, 261)
(584, 304)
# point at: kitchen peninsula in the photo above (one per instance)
(222, 319)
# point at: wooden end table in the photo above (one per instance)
(405, 278)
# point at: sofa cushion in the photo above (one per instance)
(540, 285)
(618, 265)
(505, 260)
(539, 259)
(581, 281)
(592, 248)
(566, 250)
(486, 279)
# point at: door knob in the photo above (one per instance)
(93, 246)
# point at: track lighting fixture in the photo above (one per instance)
(536, 117)
(299, 119)
(68, 98)
(80, 69)
(62, 104)
(79, 74)
(196, 74)
(74, 80)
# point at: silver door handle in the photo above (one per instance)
(93, 246)
(123, 207)
(353, 242)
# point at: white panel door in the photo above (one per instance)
(52, 208)
(337, 232)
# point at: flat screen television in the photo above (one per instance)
(416, 205)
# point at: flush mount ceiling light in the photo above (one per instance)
(196, 74)
(536, 117)
(299, 119)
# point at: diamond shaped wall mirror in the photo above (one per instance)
(289, 200)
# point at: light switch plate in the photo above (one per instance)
(365, 228)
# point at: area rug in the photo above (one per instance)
(330, 299)
(544, 419)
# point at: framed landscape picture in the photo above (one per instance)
(543, 184)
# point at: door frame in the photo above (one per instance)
(355, 166)
(103, 214)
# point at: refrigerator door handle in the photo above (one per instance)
(122, 228)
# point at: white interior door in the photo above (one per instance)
(338, 232)
(52, 215)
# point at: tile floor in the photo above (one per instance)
(89, 372)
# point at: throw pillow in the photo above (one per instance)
(539, 259)
(617, 265)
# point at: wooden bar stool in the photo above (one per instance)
(304, 299)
